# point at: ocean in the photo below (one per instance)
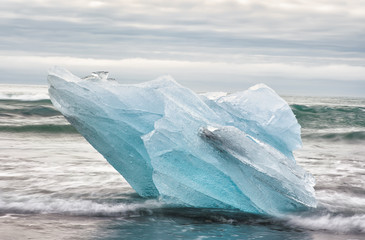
(54, 185)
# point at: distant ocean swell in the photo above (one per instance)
(340, 123)
(39, 128)
(322, 116)
(41, 108)
(335, 137)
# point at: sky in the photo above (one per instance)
(297, 47)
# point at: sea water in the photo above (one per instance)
(54, 185)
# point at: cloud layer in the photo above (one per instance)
(225, 44)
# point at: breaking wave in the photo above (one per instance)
(76, 207)
(330, 222)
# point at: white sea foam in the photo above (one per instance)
(340, 202)
(23, 92)
(332, 223)
(23, 97)
(76, 207)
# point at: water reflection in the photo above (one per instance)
(175, 223)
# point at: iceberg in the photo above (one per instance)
(209, 151)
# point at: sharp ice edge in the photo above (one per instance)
(234, 151)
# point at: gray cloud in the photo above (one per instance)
(302, 35)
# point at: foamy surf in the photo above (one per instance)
(76, 207)
(354, 224)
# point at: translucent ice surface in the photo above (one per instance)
(212, 150)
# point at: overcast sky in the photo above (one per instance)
(295, 46)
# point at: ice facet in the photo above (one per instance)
(227, 151)
(260, 112)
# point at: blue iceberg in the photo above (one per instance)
(230, 152)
